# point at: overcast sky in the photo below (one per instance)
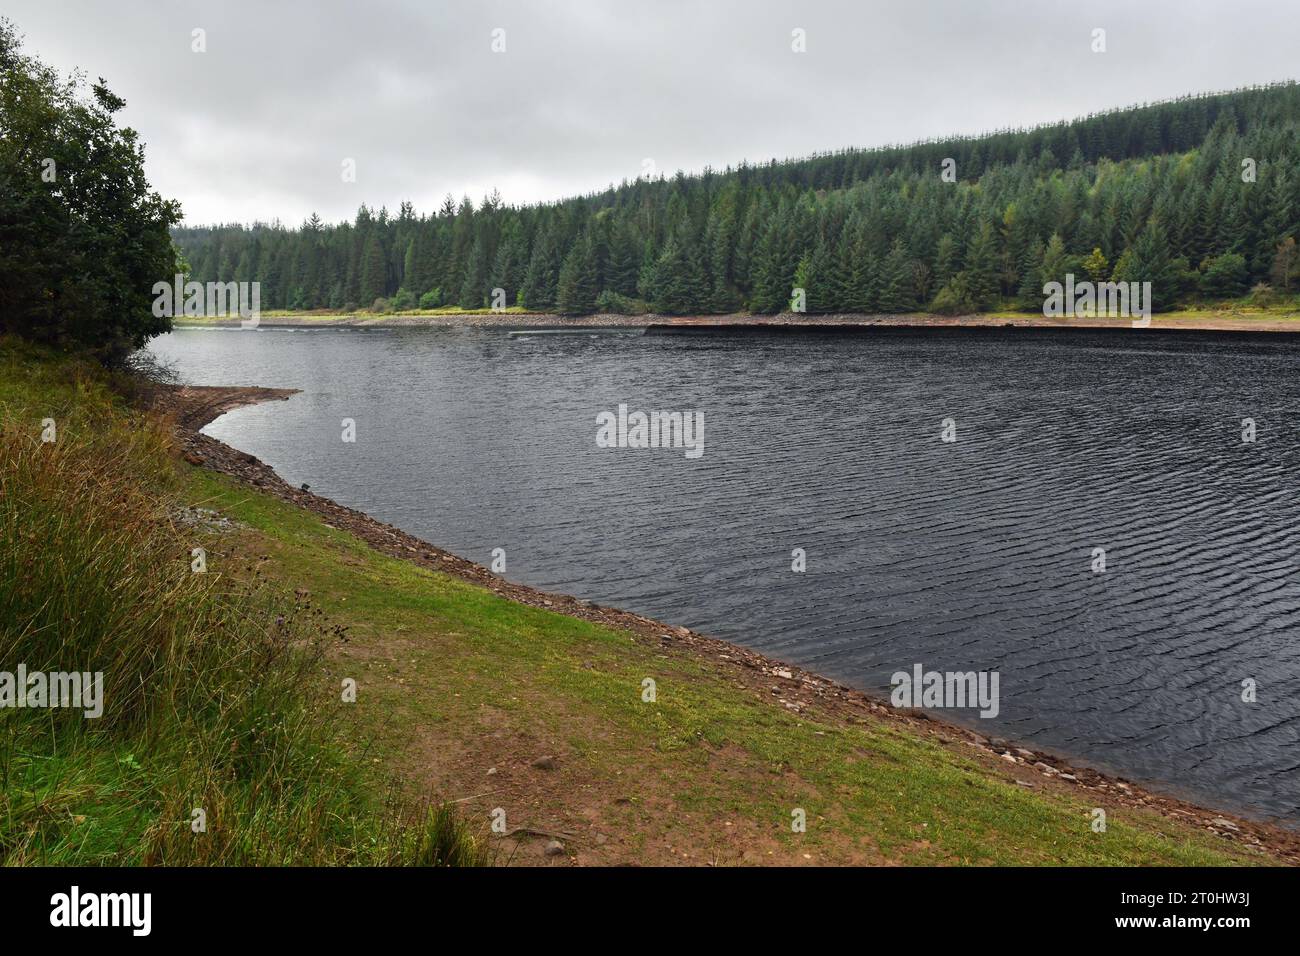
(258, 126)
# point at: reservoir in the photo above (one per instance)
(979, 553)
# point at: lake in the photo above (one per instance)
(974, 554)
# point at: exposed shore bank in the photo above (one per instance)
(785, 687)
(1191, 321)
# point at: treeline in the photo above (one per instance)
(1200, 196)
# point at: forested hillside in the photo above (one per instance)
(1200, 196)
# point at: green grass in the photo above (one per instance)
(215, 697)
(874, 786)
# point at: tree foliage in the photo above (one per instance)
(1153, 193)
(83, 239)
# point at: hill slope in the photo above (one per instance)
(1199, 196)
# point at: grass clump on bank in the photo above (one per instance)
(213, 695)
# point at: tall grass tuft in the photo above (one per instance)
(213, 697)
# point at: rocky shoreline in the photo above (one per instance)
(797, 690)
(1209, 322)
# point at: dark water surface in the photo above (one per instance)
(974, 555)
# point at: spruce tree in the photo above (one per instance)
(896, 294)
(373, 278)
(982, 268)
(945, 260)
(538, 291)
(676, 287)
(1147, 260)
(473, 288)
(576, 291)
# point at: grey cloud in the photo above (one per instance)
(258, 125)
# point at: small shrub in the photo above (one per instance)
(1262, 295)
(617, 304)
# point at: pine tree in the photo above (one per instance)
(538, 290)
(408, 267)
(624, 261)
(1096, 266)
(945, 260)
(508, 270)
(897, 292)
(982, 268)
(1029, 294)
(676, 286)
(576, 292)
(1056, 263)
(474, 288)
(776, 261)
(373, 273)
(1147, 260)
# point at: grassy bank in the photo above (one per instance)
(214, 697)
(224, 693)
(464, 690)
